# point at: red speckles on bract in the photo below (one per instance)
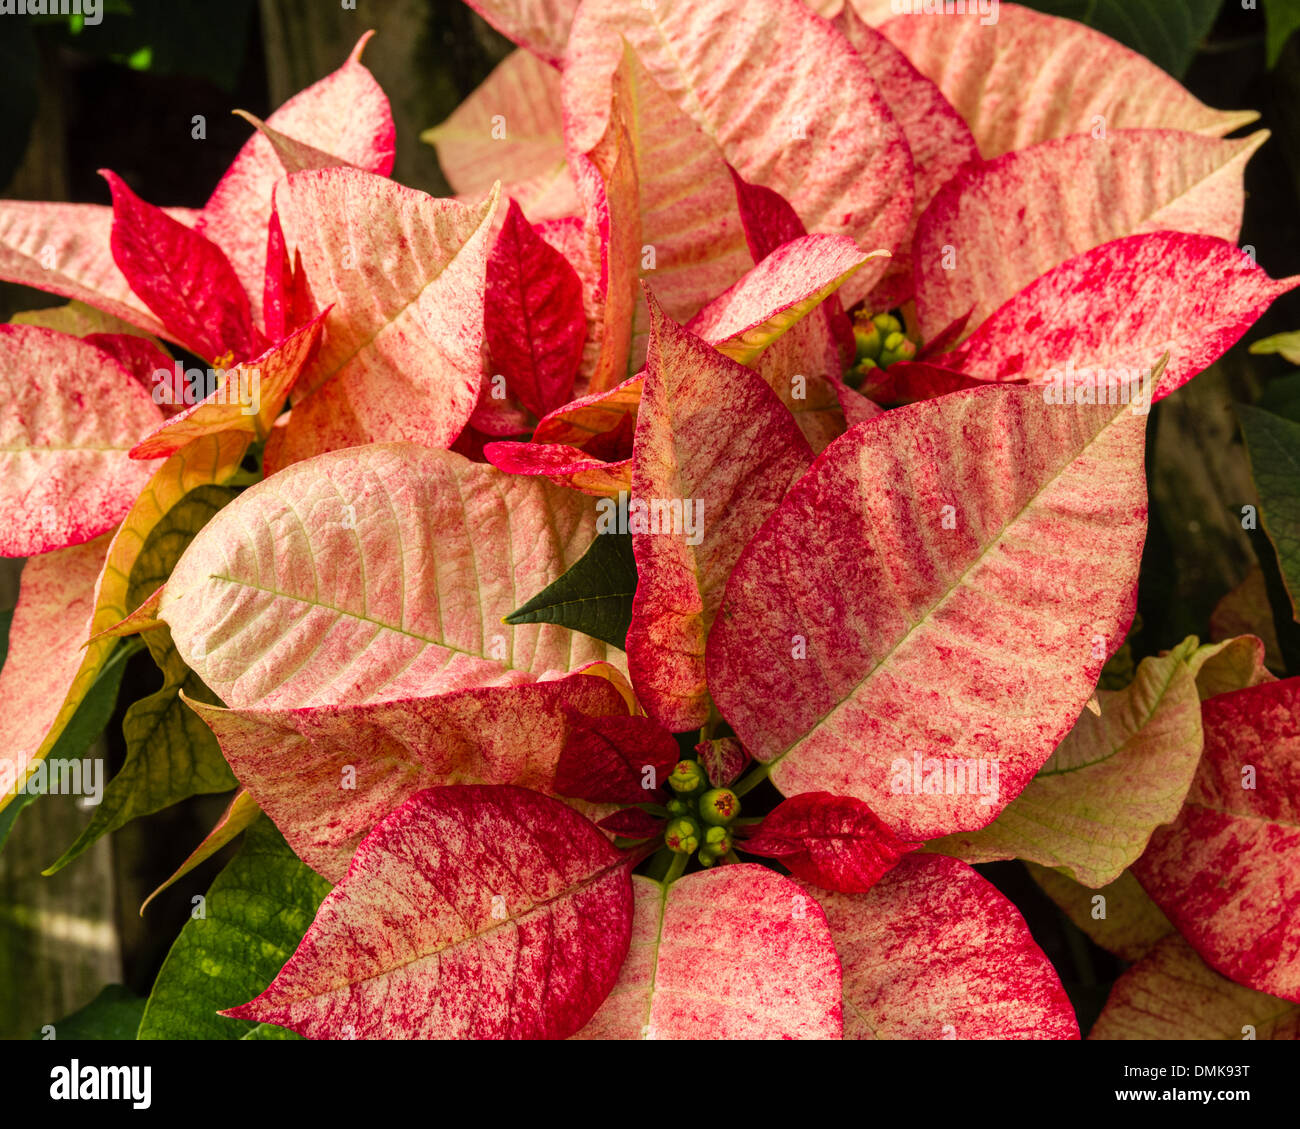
(469, 912)
(735, 953)
(1224, 872)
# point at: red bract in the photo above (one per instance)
(534, 323)
(619, 760)
(835, 842)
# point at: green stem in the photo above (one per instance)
(677, 869)
(756, 777)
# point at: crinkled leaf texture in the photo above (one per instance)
(934, 951)
(1226, 871)
(376, 574)
(1117, 776)
(1112, 309)
(1016, 81)
(734, 953)
(835, 842)
(939, 141)
(70, 414)
(404, 273)
(296, 762)
(715, 452)
(469, 912)
(1172, 994)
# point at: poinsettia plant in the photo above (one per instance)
(626, 598)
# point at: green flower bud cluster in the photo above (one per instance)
(699, 815)
(881, 341)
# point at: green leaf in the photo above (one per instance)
(1287, 344)
(113, 1014)
(257, 910)
(1273, 446)
(1282, 17)
(170, 753)
(1166, 33)
(1282, 397)
(594, 596)
(82, 731)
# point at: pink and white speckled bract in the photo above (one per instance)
(939, 141)
(1016, 81)
(52, 619)
(1224, 871)
(377, 574)
(404, 273)
(788, 101)
(885, 634)
(709, 434)
(1010, 220)
(1170, 993)
(69, 416)
(735, 953)
(345, 115)
(1113, 308)
(523, 94)
(563, 465)
(292, 761)
(470, 912)
(934, 951)
(542, 26)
